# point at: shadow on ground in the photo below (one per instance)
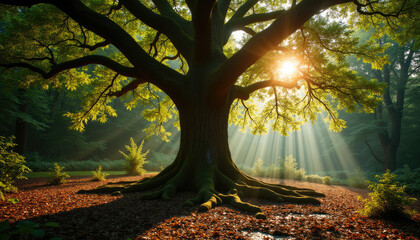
(121, 219)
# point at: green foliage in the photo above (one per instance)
(2, 186)
(135, 158)
(58, 176)
(314, 178)
(327, 180)
(98, 175)
(388, 199)
(12, 166)
(291, 169)
(330, 76)
(24, 230)
(286, 109)
(13, 200)
(402, 28)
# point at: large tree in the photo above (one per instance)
(186, 50)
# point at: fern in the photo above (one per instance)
(135, 158)
(57, 176)
(98, 175)
(12, 166)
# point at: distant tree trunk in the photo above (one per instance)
(390, 157)
(20, 128)
(390, 138)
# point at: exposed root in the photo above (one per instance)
(212, 200)
(214, 188)
(103, 189)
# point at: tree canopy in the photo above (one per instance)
(129, 47)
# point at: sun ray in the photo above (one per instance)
(287, 68)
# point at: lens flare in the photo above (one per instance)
(288, 68)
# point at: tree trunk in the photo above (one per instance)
(204, 165)
(390, 157)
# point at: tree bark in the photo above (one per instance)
(390, 156)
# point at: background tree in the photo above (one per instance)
(215, 80)
(399, 74)
(402, 37)
(399, 70)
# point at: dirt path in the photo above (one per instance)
(93, 216)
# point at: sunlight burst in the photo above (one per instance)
(288, 68)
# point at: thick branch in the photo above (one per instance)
(244, 8)
(223, 7)
(360, 6)
(244, 92)
(248, 30)
(240, 23)
(201, 17)
(405, 63)
(181, 40)
(149, 68)
(235, 24)
(95, 46)
(373, 153)
(129, 87)
(166, 10)
(80, 62)
(267, 40)
(163, 77)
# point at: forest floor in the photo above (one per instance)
(94, 216)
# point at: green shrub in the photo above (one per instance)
(135, 159)
(290, 167)
(327, 180)
(2, 186)
(299, 174)
(58, 176)
(12, 166)
(13, 200)
(388, 199)
(98, 175)
(314, 178)
(285, 169)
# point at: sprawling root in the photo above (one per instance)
(210, 199)
(214, 189)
